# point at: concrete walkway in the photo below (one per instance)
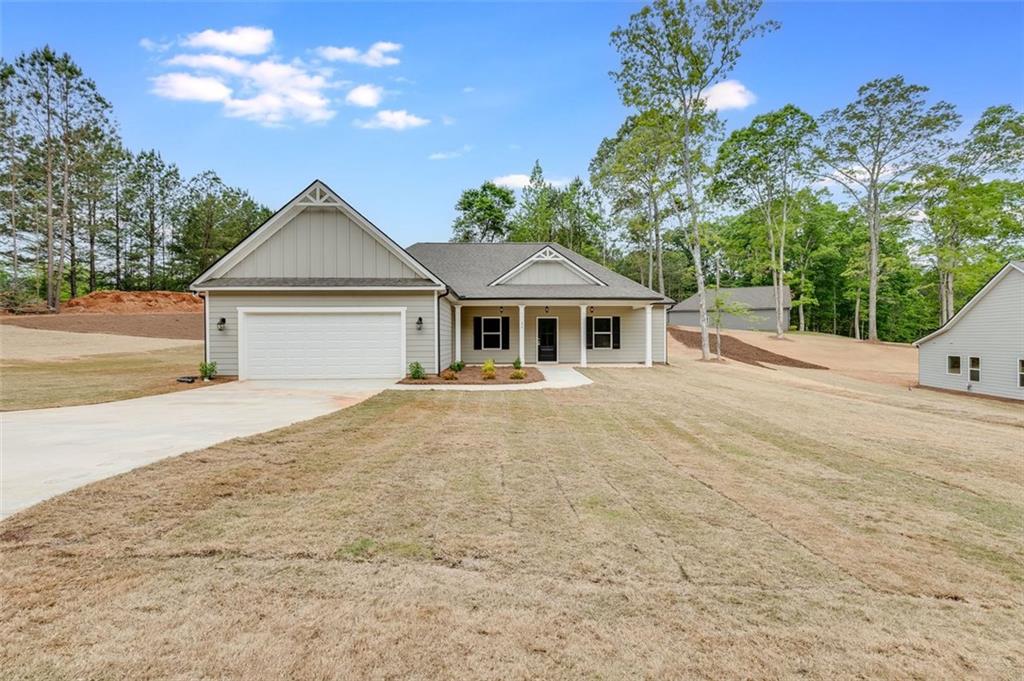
(555, 376)
(46, 452)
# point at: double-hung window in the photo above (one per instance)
(974, 369)
(602, 332)
(490, 333)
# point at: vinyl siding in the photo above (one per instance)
(446, 332)
(223, 345)
(471, 356)
(322, 243)
(992, 330)
(762, 320)
(548, 273)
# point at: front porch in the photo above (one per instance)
(554, 332)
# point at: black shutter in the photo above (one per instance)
(477, 340)
(504, 333)
(590, 333)
(615, 333)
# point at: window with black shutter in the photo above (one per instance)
(616, 332)
(491, 333)
(590, 333)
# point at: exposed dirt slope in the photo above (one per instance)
(733, 348)
(121, 302)
(187, 326)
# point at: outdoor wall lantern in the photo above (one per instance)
(501, 310)
(222, 324)
(419, 323)
(546, 308)
(591, 309)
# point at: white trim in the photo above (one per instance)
(648, 349)
(957, 373)
(547, 254)
(424, 289)
(1020, 372)
(559, 302)
(483, 333)
(999, 276)
(437, 336)
(206, 333)
(317, 194)
(521, 325)
(583, 336)
(558, 340)
(970, 369)
(610, 332)
(458, 333)
(244, 311)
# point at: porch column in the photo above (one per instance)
(647, 335)
(458, 333)
(522, 334)
(583, 335)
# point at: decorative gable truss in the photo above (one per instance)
(548, 258)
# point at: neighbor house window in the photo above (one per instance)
(490, 333)
(953, 364)
(975, 369)
(602, 332)
(1020, 373)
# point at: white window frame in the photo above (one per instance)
(960, 365)
(610, 332)
(1020, 373)
(484, 334)
(970, 369)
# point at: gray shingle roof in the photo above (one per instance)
(469, 268)
(319, 282)
(754, 297)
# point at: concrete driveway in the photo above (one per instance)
(46, 452)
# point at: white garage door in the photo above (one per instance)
(321, 344)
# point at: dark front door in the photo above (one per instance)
(547, 339)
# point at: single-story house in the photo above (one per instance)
(981, 348)
(759, 299)
(318, 291)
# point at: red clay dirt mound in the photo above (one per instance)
(134, 302)
(186, 326)
(733, 348)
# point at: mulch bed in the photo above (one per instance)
(733, 348)
(472, 376)
(186, 326)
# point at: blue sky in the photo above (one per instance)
(474, 92)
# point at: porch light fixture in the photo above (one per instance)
(419, 323)
(546, 309)
(501, 310)
(591, 309)
(222, 324)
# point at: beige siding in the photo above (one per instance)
(322, 242)
(548, 273)
(471, 356)
(659, 332)
(993, 330)
(446, 333)
(568, 332)
(223, 345)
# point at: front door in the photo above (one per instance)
(547, 339)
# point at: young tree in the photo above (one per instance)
(484, 214)
(672, 52)
(764, 165)
(880, 139)
(154, 185)
(535, 216)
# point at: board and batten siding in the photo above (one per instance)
(322, 243)
(548, 273)
(223, 345)
(446, 333)
(993, 330)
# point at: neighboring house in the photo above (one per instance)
(318, 291)
(760, 300)
(981, 348)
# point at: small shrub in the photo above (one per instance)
(449, 375)
(207, 370)
(417, 372)
(517, 363)
(488, 375)
(457, 366)
(517, 374)
(488, 365)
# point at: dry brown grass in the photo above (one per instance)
(96, 378)
(694, 521)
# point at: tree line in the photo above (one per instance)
(878, 216)
(82, 211)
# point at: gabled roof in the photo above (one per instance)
(316, 195)
(547, 254)
(1017, 265)
(471, 271)
(754, 297)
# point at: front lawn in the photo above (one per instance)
(693, 521)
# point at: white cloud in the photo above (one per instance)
(468, 89)
(729, 94)
(246, 40)
(447, 155)
(188, 87)
(513, 181)
(210, 62)
(365, 95)
(377, 55)
(393, 120)
(151, 45)
(447, 120)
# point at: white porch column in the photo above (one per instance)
(458, 333)
(583, 335)
(647, 335)
(522, 334)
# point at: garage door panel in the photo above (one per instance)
(322, 345)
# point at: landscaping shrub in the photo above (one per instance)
(488, 371)
(517, 363)
(417, 371)
(517, 374)
(207, 370)
(457, 366)
(449, 375)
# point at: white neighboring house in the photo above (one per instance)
(981, 349)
